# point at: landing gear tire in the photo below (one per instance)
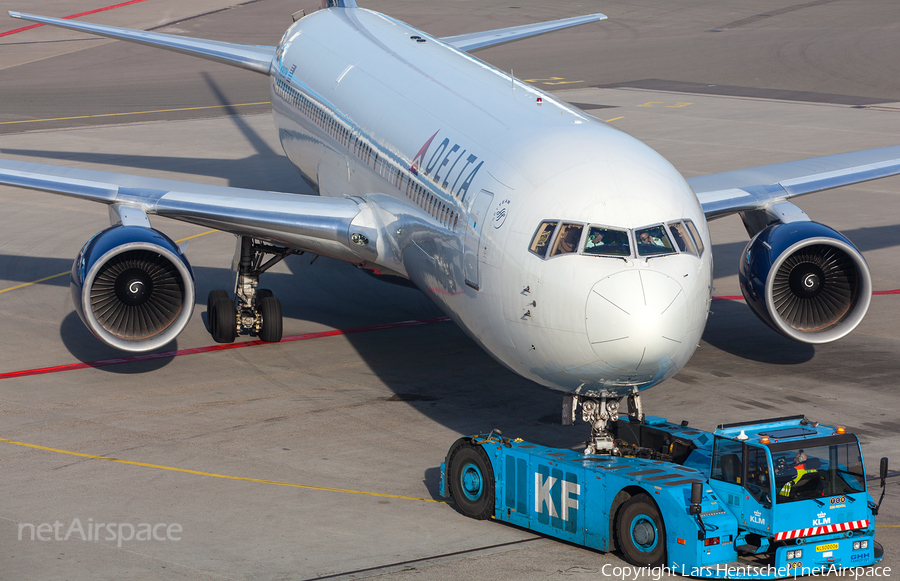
(222, 323)
(641, 532)
(214, 295)
(270, 329)
(472, 481)
(262, 293)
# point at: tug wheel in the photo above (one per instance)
(642, 533)
(472, 481)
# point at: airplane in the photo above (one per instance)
(571, 252)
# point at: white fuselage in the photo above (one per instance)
(465, 168)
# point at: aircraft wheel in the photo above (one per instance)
(270, 310)
(472, 481)
(214, 295)
(642, 533)
(262, 293)
(222, 319)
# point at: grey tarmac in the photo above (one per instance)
(319, 458)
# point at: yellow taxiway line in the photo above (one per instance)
(132, 113)
(226, 476)
(65, 272)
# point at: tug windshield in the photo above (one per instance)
(818, 468)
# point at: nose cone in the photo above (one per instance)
(637, 321)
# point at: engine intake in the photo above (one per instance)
(806, 281)
(133, 288)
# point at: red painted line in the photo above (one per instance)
(303, 337)
(896, 291)
(24, 28)
(214, 348)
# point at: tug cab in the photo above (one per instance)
(790, 481)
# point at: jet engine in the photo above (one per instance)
(806, 281)
(133, 288)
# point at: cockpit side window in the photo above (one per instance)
(607, 242)
(682, 238)
(653, 240)
(567, 240)
(696, 235)
(541, 240)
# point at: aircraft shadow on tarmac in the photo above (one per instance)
(337, 295)
(258, 172)
(267, 169)
(733, 328)
(437, 370)
(434, 368)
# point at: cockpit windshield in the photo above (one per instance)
(653, 240)
(541, 240)
(606, 241)
(682, 238)
(556, 238)
(698, 241)
(804, 471)
(567, 240)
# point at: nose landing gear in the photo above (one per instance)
(601, 414)
(254, 311)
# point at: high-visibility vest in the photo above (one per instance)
(801, 470)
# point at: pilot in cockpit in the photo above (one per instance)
(646, 238)
(595, 238)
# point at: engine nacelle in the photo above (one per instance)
(806, 281)
(133, 288)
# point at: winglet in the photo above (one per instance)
(252, 57)
(478, 40)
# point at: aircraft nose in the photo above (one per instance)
(637, 320)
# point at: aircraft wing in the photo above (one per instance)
(248, 56)
(311, 223)
(754, 188)
(478, 40)
(259, 58)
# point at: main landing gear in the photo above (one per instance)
(255, 311)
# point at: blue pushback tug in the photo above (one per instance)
(755, 500)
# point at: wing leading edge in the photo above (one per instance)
(259, 58)
(755, 188)
(310, 223)
(248, 56)
(478, 40)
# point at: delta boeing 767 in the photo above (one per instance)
(571, 252)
